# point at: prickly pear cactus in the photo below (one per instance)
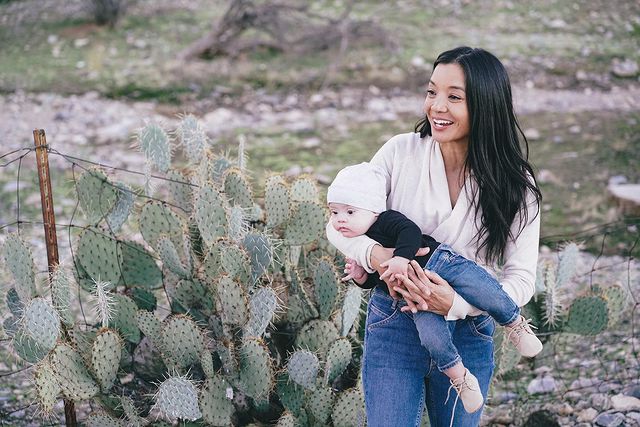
(588, 315)
(177, 399)
(303, 368)
(106, 352)
(19, 261)
(72, 374)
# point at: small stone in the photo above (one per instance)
(542, 385)
(634, 417)
(575, 129)
(581, 75)
(609, 420)
(52, 39)
(600, 401)
(557, 24)
(80, 42)
(532, 134)
(624, 68)
(587, 415)
(621, 402)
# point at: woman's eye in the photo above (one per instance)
(431, 92)
(350, 212)
(454, 97)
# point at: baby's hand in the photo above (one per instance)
(354, 271)
(396, 265)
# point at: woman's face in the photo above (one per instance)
(446, 105)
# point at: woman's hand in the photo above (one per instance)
(380, 255)
(425, 290)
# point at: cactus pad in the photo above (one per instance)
(262, 307)
(291, 394)
(588, 316)
(100, 256)
(153, 142)
(47, 387)
(617, 299)
(102, 420)
(19, 261)
(182, 341)
(320, 403)
(96, 195)
(150, 326)
(106, 352)
(138, 266)
(338, 358)
(124, 318)
(276, 201)
(210, 214)
(350, 308)
(177, 398)
(237, 189)
(171, 258)
(317, 336)
(303, 367)
(256, 370)
(325, 281)
(73, 377)
(122, 207)
(41, 323)
(349, 409)
(180, 189)
(157, 219)
(232, 301)
(216, 406)
(260, 250)
(61, 295)
(192, 138)
(306, 224)
(304, 189)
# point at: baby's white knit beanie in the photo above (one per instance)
(362, 186)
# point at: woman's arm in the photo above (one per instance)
(521, 258)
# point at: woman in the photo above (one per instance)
(463, 178)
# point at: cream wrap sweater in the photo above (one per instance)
(417, 187)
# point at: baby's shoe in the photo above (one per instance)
(521, 335)
(468, 389)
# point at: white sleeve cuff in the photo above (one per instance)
(461, 309)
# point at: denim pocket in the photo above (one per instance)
(381, 311)
(482, 326)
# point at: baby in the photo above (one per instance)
(357, 201)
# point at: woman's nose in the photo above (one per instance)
(438, 106)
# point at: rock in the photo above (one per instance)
(617, 179)
(532, 134)
(542, 385)
(633, 391)
(575, 129)
(582, 383)
(557, 24)
(504, 397)
(587, 415)
(600, 401)
(634, 417)
(621, 402)
(627, 196)
(624, 68)
(609, 420)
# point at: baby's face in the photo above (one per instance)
(351, 221)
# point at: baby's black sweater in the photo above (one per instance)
(394, 230)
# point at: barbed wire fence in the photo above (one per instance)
(612, 358)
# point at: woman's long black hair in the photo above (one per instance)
(502, 172)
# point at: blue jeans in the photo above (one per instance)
(399, 375)
(477, 287)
